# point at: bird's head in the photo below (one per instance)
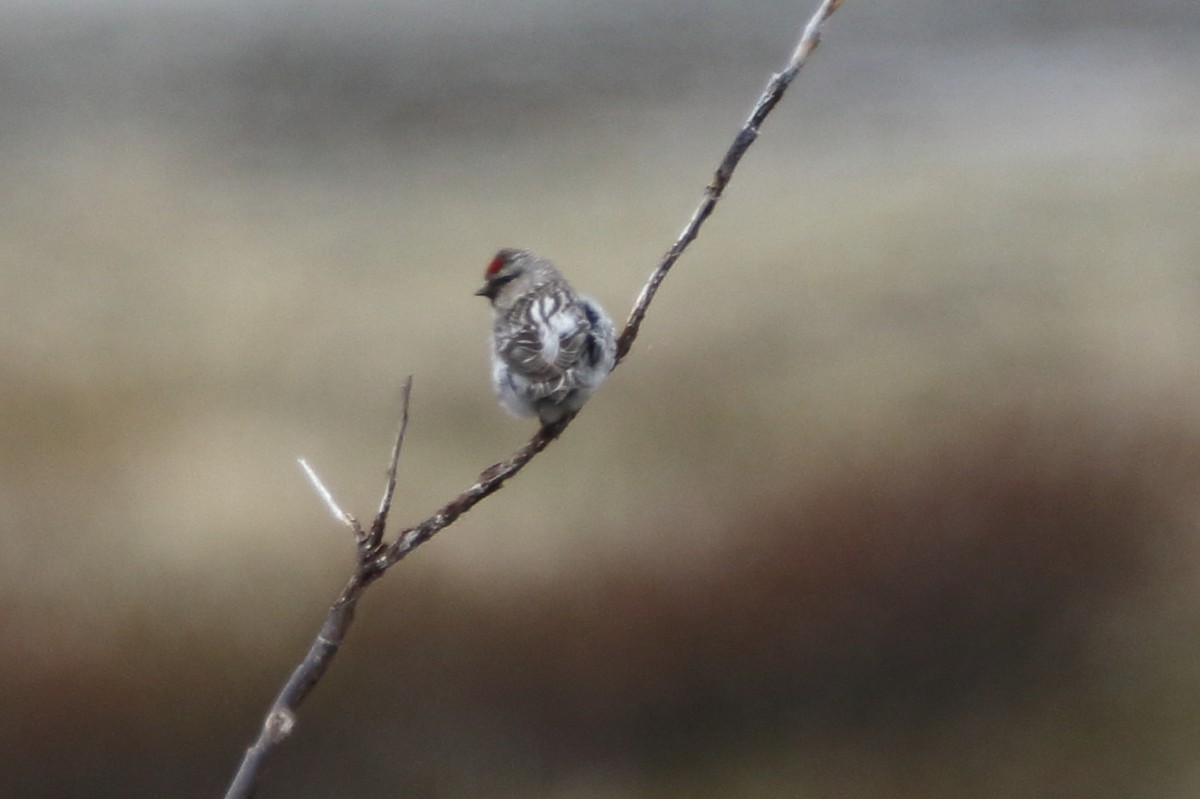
(513, 273)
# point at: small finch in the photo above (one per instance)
(551, 347)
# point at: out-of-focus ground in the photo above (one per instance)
(897, 496)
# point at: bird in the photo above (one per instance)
(551, 347)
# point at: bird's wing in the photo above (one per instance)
(544, 338)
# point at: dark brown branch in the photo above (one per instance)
(745, 137)
(375, 556)
(490, 481)
(281, 718)
(385, 504)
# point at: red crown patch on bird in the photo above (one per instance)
(495, 266)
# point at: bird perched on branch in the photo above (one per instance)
(551, 347)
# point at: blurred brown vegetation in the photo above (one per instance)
(896, 496)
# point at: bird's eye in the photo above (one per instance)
(500, 280)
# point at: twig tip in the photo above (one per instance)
(327, 497)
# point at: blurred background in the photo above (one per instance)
(896, 496)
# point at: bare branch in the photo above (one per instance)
(745, 137)
(385, 504)
(280, 720)
(375, 556)
(327, 497)
(489, 482)
(812, 35)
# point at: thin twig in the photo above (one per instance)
(809, 39)
(375, 556)
(489, 482)
(281, 718)
(327, 496)
(385, 504)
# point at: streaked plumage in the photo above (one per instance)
(550, 347)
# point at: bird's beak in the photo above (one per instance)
(486, 290)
